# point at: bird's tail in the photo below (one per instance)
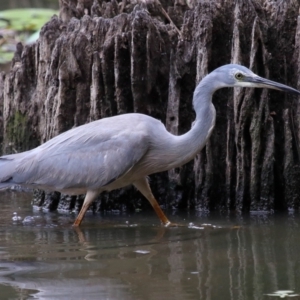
(7, 169)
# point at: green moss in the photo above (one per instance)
(17, 134)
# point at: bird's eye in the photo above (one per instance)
(239, 76)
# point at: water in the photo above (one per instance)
(133, 257)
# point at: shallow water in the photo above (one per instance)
(133, 257)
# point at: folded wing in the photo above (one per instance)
(78, 158)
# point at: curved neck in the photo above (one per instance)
(189, 144)
(203, 94)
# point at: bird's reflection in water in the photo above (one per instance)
(144, 247)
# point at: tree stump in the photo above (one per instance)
(101, 58)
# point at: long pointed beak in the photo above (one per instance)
(266, 83)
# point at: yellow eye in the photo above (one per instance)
(239, 76)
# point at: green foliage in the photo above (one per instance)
(20, 25)
(25, 19)
(5, 56)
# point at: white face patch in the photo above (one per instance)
(244, 84)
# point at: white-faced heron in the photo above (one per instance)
(114, 152)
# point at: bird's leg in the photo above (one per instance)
(143, 186)
(89, 198)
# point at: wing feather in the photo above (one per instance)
(82, 159)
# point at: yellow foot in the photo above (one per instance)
(77, 222)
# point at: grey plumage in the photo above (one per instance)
(121, 150)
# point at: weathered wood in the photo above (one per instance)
(101, 58)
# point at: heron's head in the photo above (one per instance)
(238, 76)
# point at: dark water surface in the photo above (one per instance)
(133, 257)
